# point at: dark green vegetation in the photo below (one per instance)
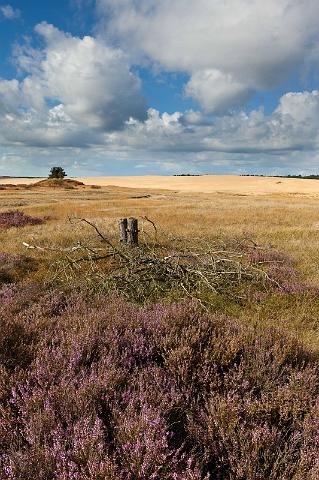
(57, 172)
(309, 177)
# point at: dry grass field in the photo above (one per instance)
(275, 217)
(287, 222)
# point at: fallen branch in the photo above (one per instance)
(148, 271)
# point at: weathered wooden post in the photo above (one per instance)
(123, 230)
(128, 231)
(132, 231)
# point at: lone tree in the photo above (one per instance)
(57, 172)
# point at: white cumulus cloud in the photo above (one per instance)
(216, 91)
(78, 95)
(71, 90)
(247, 45)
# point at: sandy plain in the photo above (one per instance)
(205, 184)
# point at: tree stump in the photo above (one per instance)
(128, 231)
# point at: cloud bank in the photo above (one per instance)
(82, 98)
(293, 126)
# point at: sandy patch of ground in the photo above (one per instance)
(18, 181)
(204, 184)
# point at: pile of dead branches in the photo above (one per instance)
(153, 269)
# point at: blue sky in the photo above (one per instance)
(159, 87)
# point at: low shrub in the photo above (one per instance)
(14, 267)
(280, 270)
(16, 218)
(7, 293)
(57, 183)
(103, 389)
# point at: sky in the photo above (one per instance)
(163, 87)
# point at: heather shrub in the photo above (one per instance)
(15, 343)
(14, 267)
(280, 270)
(20, 332)
(109, 390)
(7, 293)
(16, 218)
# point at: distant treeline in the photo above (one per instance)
(310, 177)
(307, 177)
(190, 174)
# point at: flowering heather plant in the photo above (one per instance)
(13, 267)
(7, 293)
(6, 258)
(103, 389)
(280, 270)
(16, 218)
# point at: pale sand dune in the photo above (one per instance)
(205, 184)
(18, 181)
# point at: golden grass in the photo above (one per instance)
(288, 222)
